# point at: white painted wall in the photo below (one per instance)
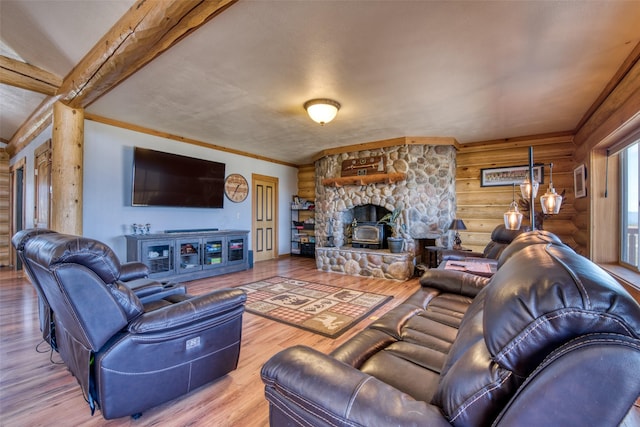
(107, 210)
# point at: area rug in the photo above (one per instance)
(322, 309)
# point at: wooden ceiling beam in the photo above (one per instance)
(29, 77)
(147, 30)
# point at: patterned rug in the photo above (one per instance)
(322, 309)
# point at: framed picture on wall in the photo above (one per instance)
(495, 177)
(579, 182)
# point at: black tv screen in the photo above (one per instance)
(164, 179)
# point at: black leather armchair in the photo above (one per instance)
(135, 274)
(130, 353)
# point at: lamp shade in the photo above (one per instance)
(526, 186)
(551, 201)
(457, 224)
(513, 217)
(322, 110)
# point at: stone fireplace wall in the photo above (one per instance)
(427, 197)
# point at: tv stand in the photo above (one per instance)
(191, 230)
(182, 255)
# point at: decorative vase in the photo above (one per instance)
(396, 244)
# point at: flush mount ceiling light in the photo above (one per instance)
(322, 110)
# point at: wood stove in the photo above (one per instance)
(368, 235)
(366, 231)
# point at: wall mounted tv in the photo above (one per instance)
(164, 179)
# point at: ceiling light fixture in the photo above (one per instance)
(322, 110)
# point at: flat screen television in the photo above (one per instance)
(165, 179)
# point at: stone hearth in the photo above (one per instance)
(366, 262)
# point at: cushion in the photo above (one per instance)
(128, 300)
(527, 239)
(54, 248)
(532, 308)
(22, 237)
(500, 238)
(529, 309)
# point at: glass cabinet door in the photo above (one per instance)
(213, 253)
(235, 249)
(189, 255)
(158, 256)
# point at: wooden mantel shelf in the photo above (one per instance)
(388, 178)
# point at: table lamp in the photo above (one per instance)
(457, 225)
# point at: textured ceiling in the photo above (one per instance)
(474, 70)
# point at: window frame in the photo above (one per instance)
(623, 254)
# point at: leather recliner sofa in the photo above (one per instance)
(131, 353)
(550, 339)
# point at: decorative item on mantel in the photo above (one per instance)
(457, 224)
(363, 166)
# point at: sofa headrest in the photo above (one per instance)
(527, 239)
(501, 234)
(531, 308)
(21, 237)
(54, 248)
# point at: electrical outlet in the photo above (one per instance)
(193, 342)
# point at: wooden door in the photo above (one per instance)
(16, 202)
(265, 217)
(42, 170)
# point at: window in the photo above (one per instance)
(629, 165)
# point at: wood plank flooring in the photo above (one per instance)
(36, 392)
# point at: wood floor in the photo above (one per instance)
(36, 392)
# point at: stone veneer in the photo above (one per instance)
(366, 262)
(427, 199)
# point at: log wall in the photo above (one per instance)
(307, 182)
(4, 208)
(482, 208)
(615, 119)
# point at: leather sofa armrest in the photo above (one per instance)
(133, 270)
(150, 290)
(220, 304)
(454, 281)
(168, 290)
(142, 287)
(323, 391)
(454, 255)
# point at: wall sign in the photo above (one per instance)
(363, 166)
